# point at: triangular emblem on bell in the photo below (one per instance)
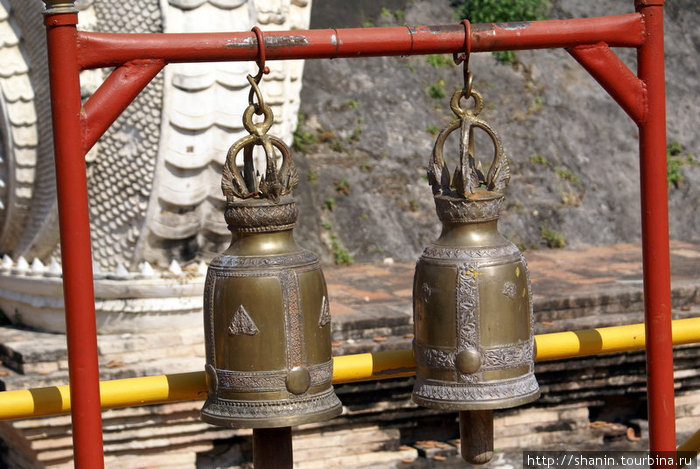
(242, 323)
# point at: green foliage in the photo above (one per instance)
(329, 203)
(351, 104)
(538, 159)
(367, 24)
(674, 171)
(327, 225)
(566, 174)
(436, 90)
(385, 13)
(433, 129)
(355, 136)
(342, 187)
(400, 15)
(313, 177)
(366, 167)
(337, 145)
(674, 148)
(411, 68)
(342, 256)
(675, 163)
(437, 60)
(551, 238)
(301, 138)
(501, 11)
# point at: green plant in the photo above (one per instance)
(567, 175)
(329, 203)
(437, 60)
(367, 24)
(366, 167)
(675, 162)
(551, 238)
(400, 15)
(313, 177)
(674, 171)
(433, 129)
(411, 68)
(355, 136)
(351, 104)
(436, 90)
(569, 197)
(301, 138)
(538, 159)
(413, 205)
(342, 256)
(501, 11)
(327, 225)
(337, 145)
(385, 13)
(342, 187)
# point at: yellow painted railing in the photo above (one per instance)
(361, 367)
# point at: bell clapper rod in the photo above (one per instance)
(272, 448)
(476, 435)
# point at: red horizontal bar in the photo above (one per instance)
(110, 50)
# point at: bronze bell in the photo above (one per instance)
(472, 304)
(266, 316)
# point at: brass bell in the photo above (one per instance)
(472, 305)
(266, 316)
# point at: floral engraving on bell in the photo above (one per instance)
(520, 387)
(509, 289)
(467, 306)
(426, 291)
(223, 263)
(485, 253)
(298, 380)
(242, 323)
(325, 317)
(497, 358)
(293, 320)
(264, 381)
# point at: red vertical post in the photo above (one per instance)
(71, 186)
(655, 243)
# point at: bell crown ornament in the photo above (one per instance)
(266, 317)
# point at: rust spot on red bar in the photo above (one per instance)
(271, 42)
(513, 26)
(450, 28)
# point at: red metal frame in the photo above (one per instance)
(139, 57)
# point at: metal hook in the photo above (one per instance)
(463, 58)
(255, 80)
(262, 69)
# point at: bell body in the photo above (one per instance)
(472, 310)
(267, 326)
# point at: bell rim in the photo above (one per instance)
(330, 407)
